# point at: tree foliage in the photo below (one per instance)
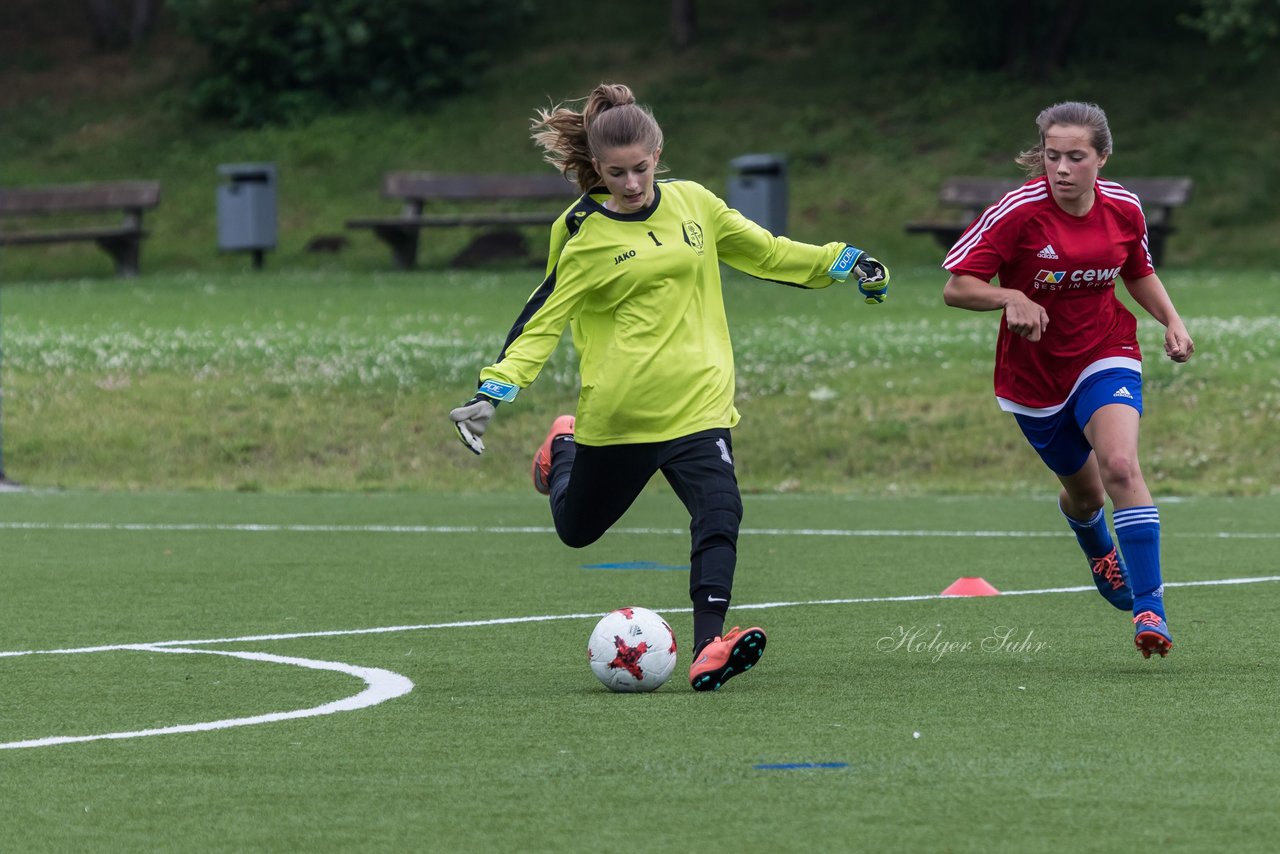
(1036, 38)
(117, 25)
(1253, 24)
(277, 60)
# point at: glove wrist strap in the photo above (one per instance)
(498, 391)
(844, 264)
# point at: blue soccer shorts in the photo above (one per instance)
(1059, 438)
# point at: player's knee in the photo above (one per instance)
(1083, 503)
(577, 538)
(716, 533)
(1120, 471)
(726, 506)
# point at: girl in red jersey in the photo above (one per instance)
(1067, 360)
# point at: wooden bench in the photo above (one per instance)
(972, 196)
(122, 241)
(416, 190)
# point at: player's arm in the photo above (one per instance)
(746, 246)
(1149, 292)
(529, 344)
(1023, 316)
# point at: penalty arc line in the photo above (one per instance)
(380, 686)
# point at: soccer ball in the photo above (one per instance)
(632, 649)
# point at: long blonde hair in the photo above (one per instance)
(610, 118)
(1075, 113)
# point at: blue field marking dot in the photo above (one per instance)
(637, 564)
(799, 766)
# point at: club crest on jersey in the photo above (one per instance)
(693, 235)
(1049, 277)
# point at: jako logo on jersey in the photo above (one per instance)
(630, 253)
(1047, 252)
(693, 235)
(1050, 277)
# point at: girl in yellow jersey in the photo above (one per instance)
(634, 271)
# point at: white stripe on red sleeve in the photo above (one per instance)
(1011, 201)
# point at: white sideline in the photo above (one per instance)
(267, 528)
(547, 618)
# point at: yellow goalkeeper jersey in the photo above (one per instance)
(642, 294)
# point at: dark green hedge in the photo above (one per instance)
(278, 60)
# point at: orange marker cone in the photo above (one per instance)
(970, 587)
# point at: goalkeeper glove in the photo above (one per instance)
(872, 276)
(471, 420)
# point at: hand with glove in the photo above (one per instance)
(872, 275)
(471, 420)
(873, 279)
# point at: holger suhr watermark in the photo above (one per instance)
(934, 642)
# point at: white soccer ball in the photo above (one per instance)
(632, 649)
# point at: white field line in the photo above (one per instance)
(380, 686)
(546, 618)
(260, 528)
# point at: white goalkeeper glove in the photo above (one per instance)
(471, 420)
(872, 275)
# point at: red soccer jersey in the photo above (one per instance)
(1068, 264)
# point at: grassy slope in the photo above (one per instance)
(341, 381)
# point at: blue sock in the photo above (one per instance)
(1093, 536)
(1138, 530)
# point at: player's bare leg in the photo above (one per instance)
(1082, 501)
(1113, 433)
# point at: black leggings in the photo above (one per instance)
(592, 486)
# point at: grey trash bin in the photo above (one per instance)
(247, 208)
(758, 190)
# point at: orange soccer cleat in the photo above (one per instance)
(726, 657)
(562, 426)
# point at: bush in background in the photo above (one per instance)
(284, 60)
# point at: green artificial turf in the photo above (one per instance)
(1006, 723)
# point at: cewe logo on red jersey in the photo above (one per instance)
(1101, 276)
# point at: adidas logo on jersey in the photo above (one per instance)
(1047, 252)
(1123, 392)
